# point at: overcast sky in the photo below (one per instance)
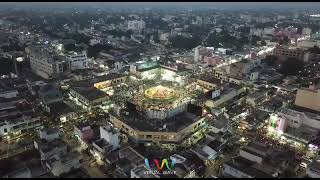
(173, 4)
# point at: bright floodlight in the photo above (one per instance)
(159, 93)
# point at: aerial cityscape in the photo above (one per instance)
(159, 90)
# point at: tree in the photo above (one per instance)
(93, 51)
(156, 38)
(315, 50)
(291, 66)
(6, 66)
(270, 60)
(182, 42)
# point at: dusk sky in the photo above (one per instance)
(173, 4)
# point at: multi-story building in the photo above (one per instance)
(110, 80)
(49, 134)
(19, 125)
(296, 118)
(136, 25)
(284, 53)
(77, 60)
(63, 164)
(87, 97)
(306, 31)
(111, 135)
(54, 153)
(49, 94)
(309, 98)
(45, 63)
(17, 117)
(306, 44)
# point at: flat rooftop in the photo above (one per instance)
(220, 122)
(50, 130)
(245, 166)
(315, 166)
(131, 155)
(109, 77)
(92, 81)
(60, 108)
(90, 93)
(139, 121)
(257, 146)
(210, 79)
(102, 143)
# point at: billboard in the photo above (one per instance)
(215, 93)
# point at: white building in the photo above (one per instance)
(136, 25)
(268, 31)
(295, 119)
(44, 62)
(111, 135)
(306, 31)
(59, 165)
(254, 76)
(94, 41)
(246, 17)
(256, 32)
(49, 134)
(77, 60)
(164, 36)
(197, 54)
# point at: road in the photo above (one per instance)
(90, 166)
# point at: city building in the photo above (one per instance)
(47, 149)
(20, 119)
(49, 134)
(87, 97)
(258, 160)
(49, 93)
(306, 31)
(308, 98)
(111, 135)
(313, 171)
(45, 63)
(128, 160)
(109, 80)
(284, 53)
(77, 60)
(59, 165)
(136, 25)
(306, 44)
(256, 97)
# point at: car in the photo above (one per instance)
(304, 165)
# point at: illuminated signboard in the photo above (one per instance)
(279, 123)
(215, 93)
